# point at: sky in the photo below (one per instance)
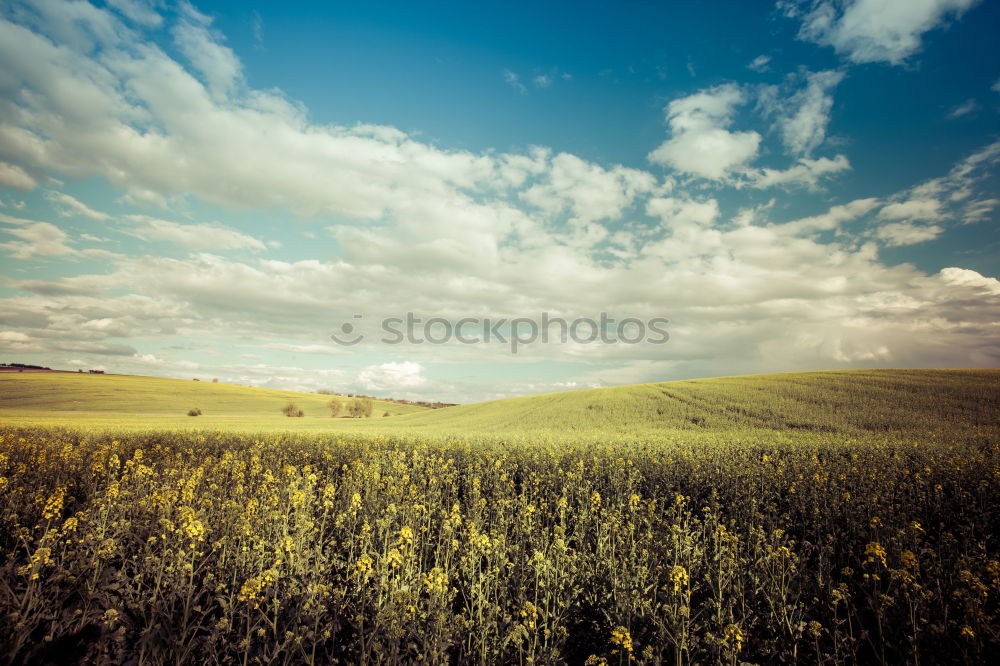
(265, 192)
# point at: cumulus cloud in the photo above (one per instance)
(589, 192)
(456, 233)
(865, 31)
(701, 143)
(389, 376)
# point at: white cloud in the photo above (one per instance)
(37, 239)
(15, 177)
(760, 64)
(197, 236)
(875, 30)
(218, 65)
(389, 376)
(458, 234)
(676, 213)
(588, 191)
(963, 277)
(700, 143)
(912, 209)
(963, 109)
(542, 81)
(805, 173)
(803, 116)
(514, 81)
(832, 219)
(69, 206)
(907, 233)
(140, 11)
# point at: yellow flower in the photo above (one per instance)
(734, 636)
(679, 577)
(193, 527)
(874, 553)
(110, 618)
(621, 638)
(363, 566)
(529, 613)
(253, 587)
(967, 632)
(54, 505)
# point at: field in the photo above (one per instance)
(113, 401)
(842, 517)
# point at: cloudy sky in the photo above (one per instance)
(212, 190)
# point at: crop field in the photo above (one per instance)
(815, 518)
(113, 401)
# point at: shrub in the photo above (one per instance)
(361, 407)
(336, 407)
(386, 414)
(194, 412)
(291, 410)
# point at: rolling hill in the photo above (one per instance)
(152, 402)
(848, 402)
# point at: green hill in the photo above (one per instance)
(850, 401)
(906, 402)
(118, 400)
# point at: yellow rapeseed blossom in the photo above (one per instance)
(734, 637)
(875, 554)
(529, 614)
(679, 577)
(255, 586)
(54, 504)
(621, 639)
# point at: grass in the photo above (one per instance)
(850, 402)
(141, 403)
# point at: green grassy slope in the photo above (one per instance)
(111, 400)
(905, 402)
(853, 401)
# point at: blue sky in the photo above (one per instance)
(211, 190)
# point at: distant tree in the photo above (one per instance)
(291, 410)
(194, 412)
(386, 414)
(215, 381)
(361, 407)
(336, 406)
